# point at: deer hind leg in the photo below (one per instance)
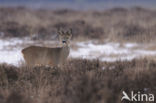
(28, 62)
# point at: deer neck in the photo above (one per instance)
(65, 46)
(65, 51)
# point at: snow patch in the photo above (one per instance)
(105, 52)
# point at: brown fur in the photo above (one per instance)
(37, 55)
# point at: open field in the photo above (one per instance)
(118, 24)
(10, 50)
(108, 35)
(111, 51)
(79, 81)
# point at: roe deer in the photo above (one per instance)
(37, 55)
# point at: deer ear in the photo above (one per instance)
(59, 31)
(69, 32)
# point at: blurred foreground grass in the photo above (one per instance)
(79, 81)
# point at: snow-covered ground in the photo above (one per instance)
(10, 50)
(112, 51)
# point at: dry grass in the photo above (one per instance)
(79, 81)
(117, 24)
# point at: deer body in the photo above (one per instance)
(37, 55)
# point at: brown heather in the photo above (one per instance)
(118, 24)
(78, 81)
